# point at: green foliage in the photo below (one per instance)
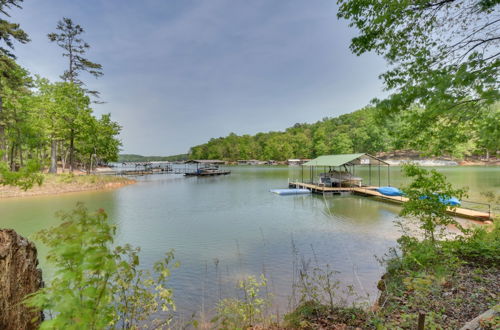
(68, 119)
(427, 195)
(443, 57)
(25, 178)
(45, 122)
(365, 130)
(481, 246)
(318, 285)
(94, 286)
(140, 294)
(78, 296)
(234, 313)
(310, 315)
(10, 32)
(69, 39)
(433, 273)
(356, 132)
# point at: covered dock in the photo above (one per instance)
(340, 170)
(205, 167)
(336, 174)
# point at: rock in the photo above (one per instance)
(381, 285)
(19, 276)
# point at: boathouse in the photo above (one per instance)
(340, 170)
(336, 174)
(205, 162)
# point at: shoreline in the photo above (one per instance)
(64, 184)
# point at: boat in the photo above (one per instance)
(335, 178)
(208, 171)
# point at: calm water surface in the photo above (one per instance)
(224, 228)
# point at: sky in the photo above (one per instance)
(179, 72)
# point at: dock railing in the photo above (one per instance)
(482, 206)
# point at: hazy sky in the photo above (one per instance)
(179, 72)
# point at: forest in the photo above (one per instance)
(366, 130)
(49, 124)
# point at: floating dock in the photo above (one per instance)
(211, 173)
(370, 191)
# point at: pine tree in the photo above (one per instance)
(68, 38)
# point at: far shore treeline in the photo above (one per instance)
(139, 158)
(365, 130)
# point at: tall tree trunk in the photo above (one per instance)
(3, 146)
(64, 158)
(20, 150)
(71, 150)
(12, 156)
(53, 156)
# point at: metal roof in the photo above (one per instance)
(345, 159)
(205, 161)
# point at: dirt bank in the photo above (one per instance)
(66, 183)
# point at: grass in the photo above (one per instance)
(450, 284)
(68, 178)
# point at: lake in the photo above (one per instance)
(228, 227)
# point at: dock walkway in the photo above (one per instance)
(370, 191)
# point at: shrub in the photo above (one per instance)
(94, 286)
(233, 313)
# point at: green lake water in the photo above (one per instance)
(224, 228)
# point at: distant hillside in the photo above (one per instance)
(140, 158)
(361, 131)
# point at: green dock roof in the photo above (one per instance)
(345, 159)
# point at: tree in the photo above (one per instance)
(342, 144)
(74, 48)
(96, 286)
(9, 33)
(98, 142)
(428, 200)
(443, 54)
(489, 131)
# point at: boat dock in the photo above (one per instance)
(208, 173)
(371, 192)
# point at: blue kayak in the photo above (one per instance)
(290, 191)
(450, 201)
(389, 191)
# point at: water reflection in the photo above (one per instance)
(224, 228)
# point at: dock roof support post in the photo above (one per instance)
(340, 171)
(370, 174)
(388, 176)
(379, 174)
(302, 167)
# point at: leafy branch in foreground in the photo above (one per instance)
(96, 287)
(429, 196)
(443, 55)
